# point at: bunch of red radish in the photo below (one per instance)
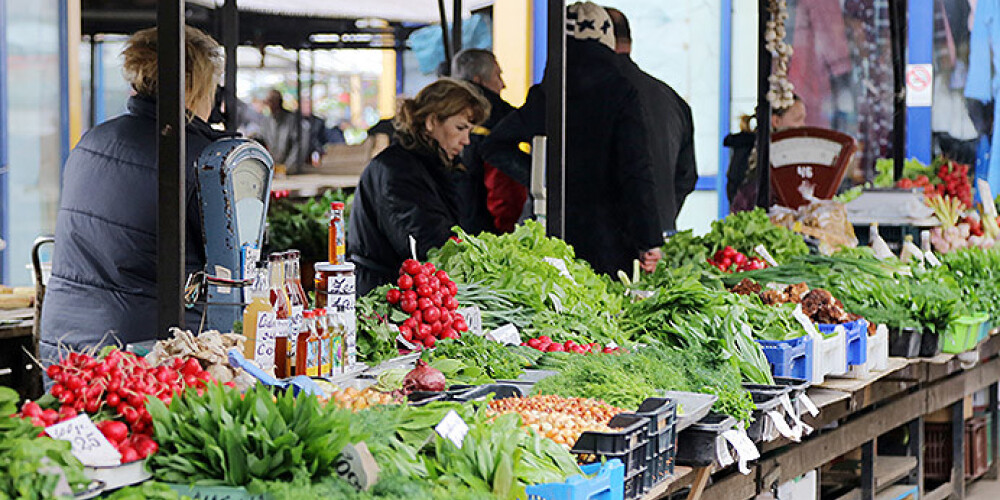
(546, 344)
(113, 390)
(428, 296)
(729, 260)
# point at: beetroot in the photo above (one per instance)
(424, 378)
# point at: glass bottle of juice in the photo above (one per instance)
(302, 344)
(298, 305)
(260, 322)
(336, 236)
(283, 313)
(323, 332)
(314, 353)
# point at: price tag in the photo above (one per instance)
(88, 444)
(267, 332)
(805, 321)
(764, 254)
(506, 334)
(809, 405)
(413, 247)
(745, 449)
(722, 454)
(986, 195)
(224, 273)
(452, 428)
(357, 466)
(931, 259)
(560, 265)
(251, 254)
(782, 426)
(473, 318)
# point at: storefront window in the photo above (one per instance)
(32, 72)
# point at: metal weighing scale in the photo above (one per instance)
(808, 156)
(234, 181)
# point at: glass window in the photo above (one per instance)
(32, 72)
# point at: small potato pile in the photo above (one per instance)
(560, 419)
(355, 400)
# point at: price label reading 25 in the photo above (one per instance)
(87, 442)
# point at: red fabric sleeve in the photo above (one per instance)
(505, 198)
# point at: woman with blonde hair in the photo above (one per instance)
(406, 190)
(104, 266)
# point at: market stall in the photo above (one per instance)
(719, 375)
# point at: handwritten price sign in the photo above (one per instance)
(88, 444)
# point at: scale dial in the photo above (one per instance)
(250, 178)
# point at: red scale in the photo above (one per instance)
(808, 156)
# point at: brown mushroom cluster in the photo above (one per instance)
(818, 304)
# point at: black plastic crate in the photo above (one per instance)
(904, 342)
(766, 398)
(661, 431)
(628, 445)
(696, 444)
(930, 344)
(499, 391)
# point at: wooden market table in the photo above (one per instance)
(309, 185)
(17, 343)
(853, 414)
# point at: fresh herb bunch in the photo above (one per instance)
(224, 437)
(376, 337)
(30, 465)
(570, 305)
(743, 231)
(977, 273)
(497, 360)
(304, 225)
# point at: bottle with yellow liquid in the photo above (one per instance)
(260, 322)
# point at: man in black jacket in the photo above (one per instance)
(611, 216)
(480, 68)
(669, 127)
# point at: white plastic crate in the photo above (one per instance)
(878, 355)
(830, 355)
(803, 487)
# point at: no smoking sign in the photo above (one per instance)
(919, 85)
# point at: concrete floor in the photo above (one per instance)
(984, 490)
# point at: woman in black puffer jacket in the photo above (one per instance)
(407, 189)
(103, 284)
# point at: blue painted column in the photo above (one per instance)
(539, 45)
(4, 201)
(100, 114)
(920, 50)
(725, 99)
(63, 83)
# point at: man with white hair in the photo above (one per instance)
(490, 200)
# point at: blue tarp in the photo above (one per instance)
(477, 33)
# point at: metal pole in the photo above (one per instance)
(231, 39)
(868, 470)
(897, 31)
(4, 200)
(958, 450)
(298, 110)
(94, 49)
(444, 37)
(456, 26)
(171, 209)
(763, 109)
(555, 120)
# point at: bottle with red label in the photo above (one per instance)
(283, 312)
(297, 300)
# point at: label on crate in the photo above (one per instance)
(357, 466)
(453, 428)
(809, 405)
(805, 321)
(722, 454)
(782, 426)
(800, 428)
(87, 442)
(745, 449)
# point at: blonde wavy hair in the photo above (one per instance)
(442, 99)
(204, 62)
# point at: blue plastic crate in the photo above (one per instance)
(607, 484)
(857, 340)
(789, 358)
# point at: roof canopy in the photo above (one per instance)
(408, 11)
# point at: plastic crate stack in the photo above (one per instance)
(627, 445)
(605, 482)
(661, 431)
